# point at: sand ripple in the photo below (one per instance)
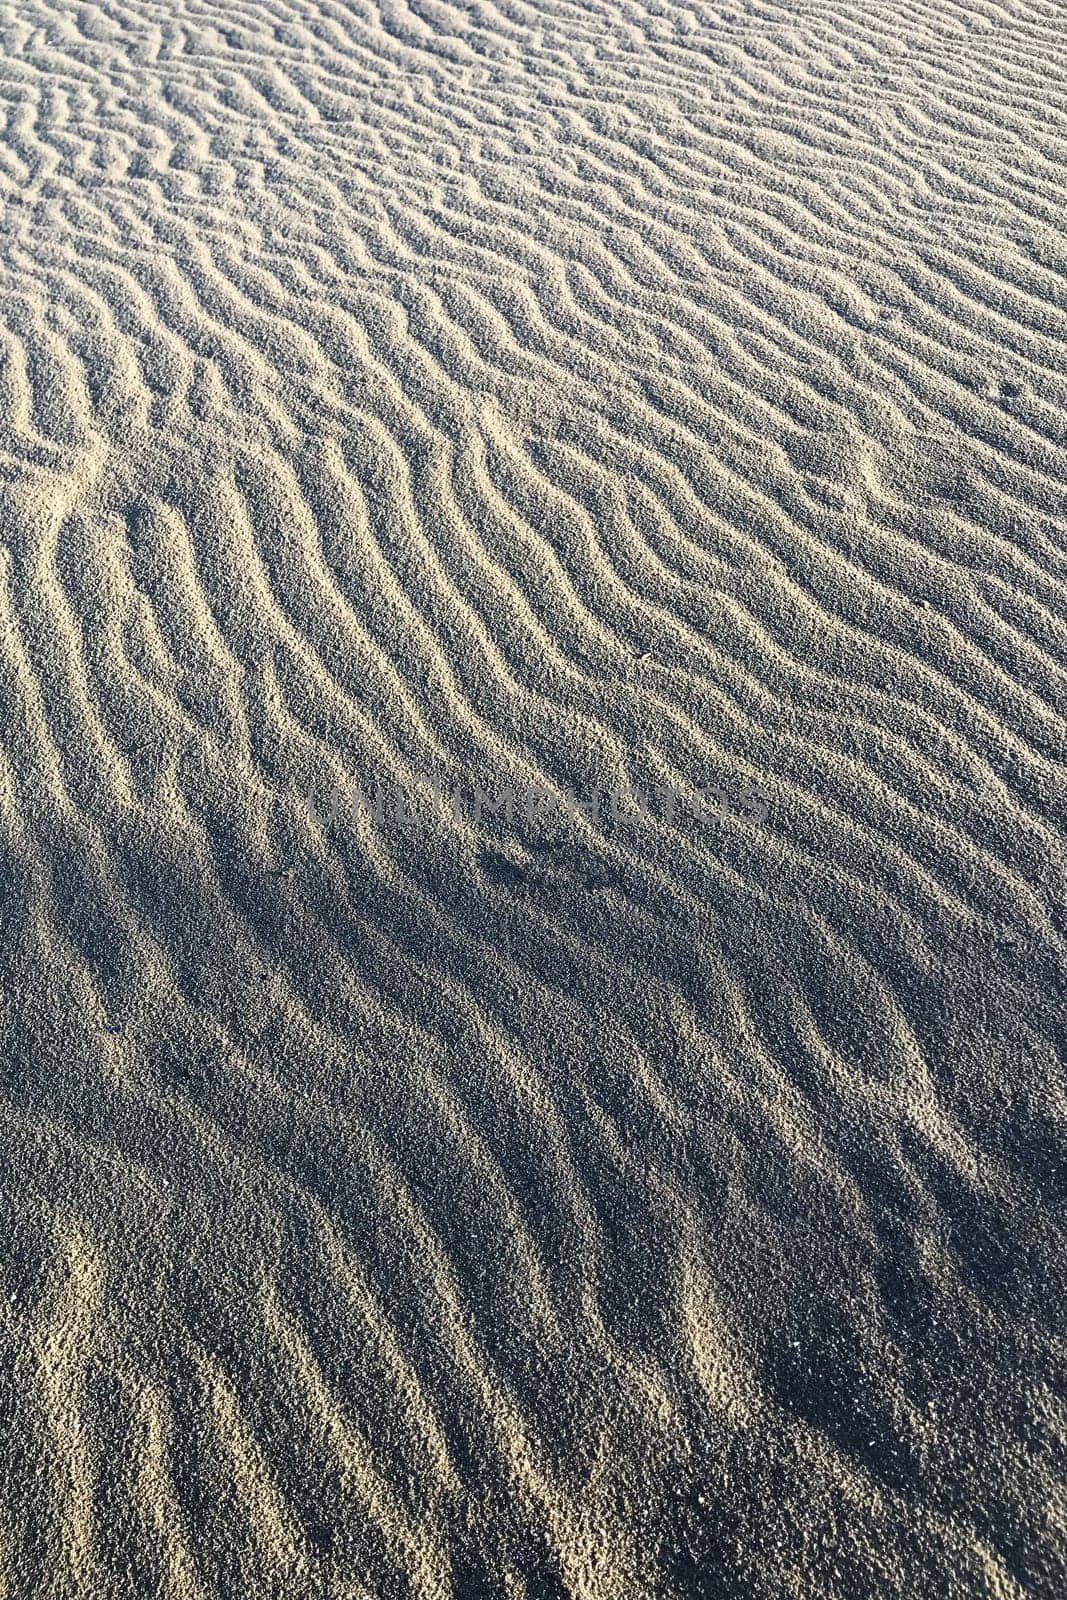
(488, 396)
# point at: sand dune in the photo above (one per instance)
(584, 397)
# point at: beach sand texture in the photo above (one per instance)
(588, 394)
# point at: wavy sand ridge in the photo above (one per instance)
(498, 395)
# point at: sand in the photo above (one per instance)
(583, 398)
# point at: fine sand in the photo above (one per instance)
(422, 1202)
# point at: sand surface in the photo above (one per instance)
(652, 1202)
